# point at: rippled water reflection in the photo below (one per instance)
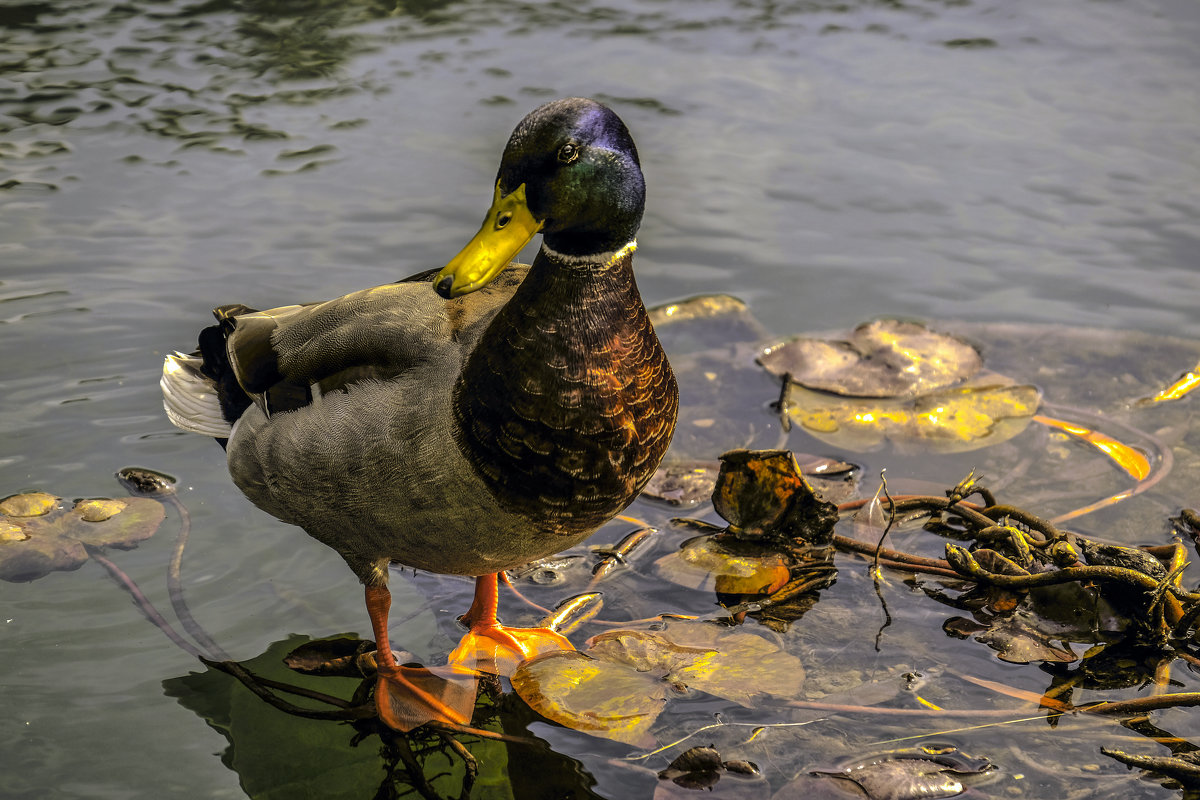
(826, 161)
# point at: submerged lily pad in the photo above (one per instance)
(885, 358)
(39, 535)
(684, 484)
(726, 565)
(1017, 641)
(621, 684)
(926, 772)
(985, 412)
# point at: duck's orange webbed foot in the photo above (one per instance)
(491, 647)
(408, 697)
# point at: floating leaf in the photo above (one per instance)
(1129, 459)
(702, 768)
(980, 414)
(740, 666)
(1111, 555)
(38, 535)
(726, 565)
(926, 772)
(621, 684)
(697, 768)
(30, 504)
(710, 320)
(886, 358)
(337, 656)
(761, 494)
(585, 694)
(99, 509)
(1017, 641)
(684, 484)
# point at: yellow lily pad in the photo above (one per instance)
(586, 694)
(53, 537)
(885, 358)
(621, 684)
(984, 412)
(29, 504)
(99, 509)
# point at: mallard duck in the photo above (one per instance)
(464, 420)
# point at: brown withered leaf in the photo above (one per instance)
(333, 656)
(761, 494)
(39, 534)
(1018, 641)
(925, 772)
(702, 768)
(885, 358)
(145, 482)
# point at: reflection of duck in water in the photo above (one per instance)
(467, 435)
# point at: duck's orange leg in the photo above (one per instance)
(491, 647)
(407, 697)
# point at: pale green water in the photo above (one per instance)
(826, 162)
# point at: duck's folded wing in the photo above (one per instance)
(282, 355)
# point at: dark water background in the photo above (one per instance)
(827, 162)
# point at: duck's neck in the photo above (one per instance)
(567, 404)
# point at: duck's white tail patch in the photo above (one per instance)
(190, 399)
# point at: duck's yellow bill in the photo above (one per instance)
(507, 228)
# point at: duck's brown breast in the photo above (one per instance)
(568, 403)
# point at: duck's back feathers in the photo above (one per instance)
(279, 358)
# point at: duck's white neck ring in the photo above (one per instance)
(592, 259)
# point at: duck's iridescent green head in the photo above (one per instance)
(570, 171)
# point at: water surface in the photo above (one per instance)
(826, 162)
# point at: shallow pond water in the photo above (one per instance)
(828, 163)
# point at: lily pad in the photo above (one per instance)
(618, 688)
(726, 565)
(885, 358)
(587, 694)
(987, 411)
(705, 321)
(40, 535)
(920, 773)
(684, 484)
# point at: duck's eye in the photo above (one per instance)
(502, 219)
(568, 153)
